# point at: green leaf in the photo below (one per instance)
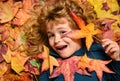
(35, 63)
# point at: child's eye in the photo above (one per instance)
(62, 32)
(51, 35)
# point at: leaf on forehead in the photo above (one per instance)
(48, 61)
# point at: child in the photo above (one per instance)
(56, 21)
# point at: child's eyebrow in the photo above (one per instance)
(48, 32)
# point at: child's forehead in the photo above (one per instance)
(57, 21)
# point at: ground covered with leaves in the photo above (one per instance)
(16, 65)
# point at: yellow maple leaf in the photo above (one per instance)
(48, 61)
(102, 13)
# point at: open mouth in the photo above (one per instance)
(61, 47)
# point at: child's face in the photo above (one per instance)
(64, 46)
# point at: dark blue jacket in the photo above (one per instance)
(96, 52)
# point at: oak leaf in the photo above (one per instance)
(48, 61)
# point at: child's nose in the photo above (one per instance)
(57, 39)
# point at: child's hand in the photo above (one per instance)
(111, 48)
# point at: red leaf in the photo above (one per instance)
(68, 67)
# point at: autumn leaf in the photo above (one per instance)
(3, 48)
(7, 56)
(18, 61)
(108, 32)
(3, 68)
(94, 65)
(84, 62)
(48, 61)
(87, 31)
(78, 20)
(12, 77)
(32, 66)
(1, 58)
(98, 4)
(99, 66)
(67, 70)
(8, 10)
(105, 6)
(4, 31)
(23, 14)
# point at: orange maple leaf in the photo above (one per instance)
(87, 31)
(48, 61)
(94, 65)
(84, 62)
(99, 66)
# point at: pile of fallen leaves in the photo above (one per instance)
(16, 65)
